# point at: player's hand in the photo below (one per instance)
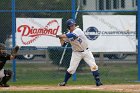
(12, 57)
(14, 51)
(61, 36)
(57, 36)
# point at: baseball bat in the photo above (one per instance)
(64, 51)
(65, 48)
(52, 35)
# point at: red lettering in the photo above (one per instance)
(34, 32)
(25, 31)
(56, 30)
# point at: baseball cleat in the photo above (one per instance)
(62, 84)
(4, 85)
(98, 83)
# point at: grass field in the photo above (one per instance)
(44, 74)
(28, 74)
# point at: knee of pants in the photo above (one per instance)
(71, 70)
(94, 68)
(2, 73)
(8, 73)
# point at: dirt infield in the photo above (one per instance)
(119, 88)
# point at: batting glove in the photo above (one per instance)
(57, 36)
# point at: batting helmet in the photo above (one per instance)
(2, 46)
(70, 22)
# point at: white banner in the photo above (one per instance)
(110, 33)
(38, 31)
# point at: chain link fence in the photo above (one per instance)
(39, 65)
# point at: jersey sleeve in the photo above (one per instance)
(75, 34)
(78, 32)
(71, 36)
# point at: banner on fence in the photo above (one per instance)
(38, 31)
(110, 33)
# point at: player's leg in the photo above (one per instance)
(89, 59)
(1, 74)
(75, 59)
(6, 78)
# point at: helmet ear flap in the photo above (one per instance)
(68, 27)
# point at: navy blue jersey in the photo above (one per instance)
(3, 58)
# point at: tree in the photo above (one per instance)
(6, 18)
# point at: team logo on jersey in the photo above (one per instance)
(92, 33)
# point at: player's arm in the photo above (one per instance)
(6, 56)
(12, 57)
(69, 35)
(61, 41)
(14, 52)
(61, 36)
(64, 41)
(9, 57)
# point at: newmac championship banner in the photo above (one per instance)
(38, 31)
(110, 33)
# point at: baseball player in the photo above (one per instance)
(78, 41)
(5, 75)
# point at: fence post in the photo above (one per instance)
(73, 9)
(138, 39)
(13, 37)
(101, 58)
(73, 17)
(47, 56)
